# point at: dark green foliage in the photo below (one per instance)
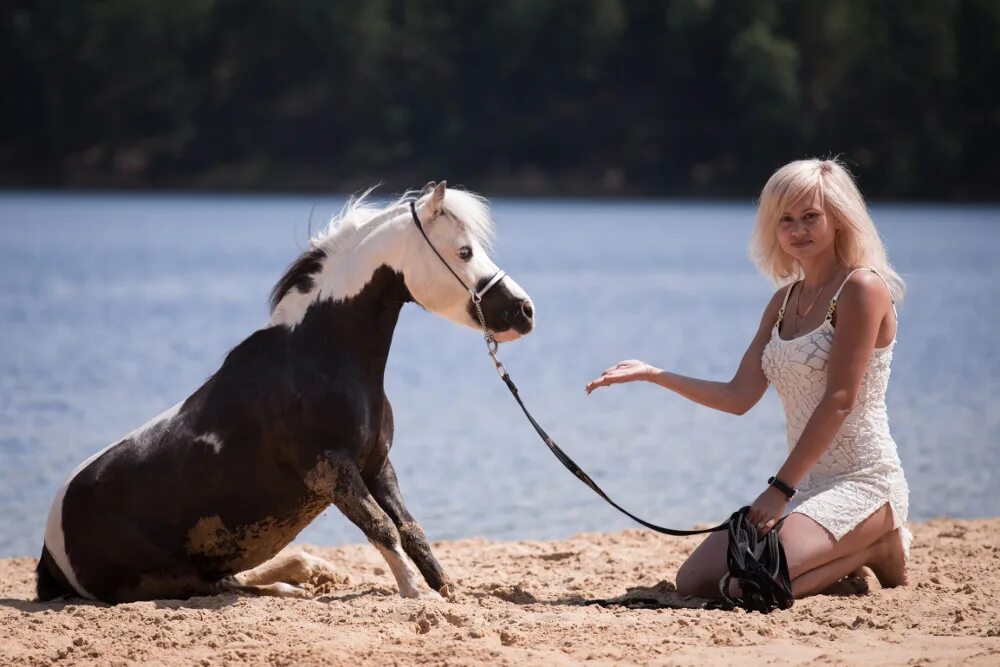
(689, 97)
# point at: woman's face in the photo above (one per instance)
(804, 230)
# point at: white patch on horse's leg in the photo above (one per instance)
(406, 580)
(278, 589)
(210, 439)
(55, 538)
(267, 572)
(294, 568)
(316, 565)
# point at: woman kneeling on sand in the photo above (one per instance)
(825, 343)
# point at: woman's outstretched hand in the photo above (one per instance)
(631, 370)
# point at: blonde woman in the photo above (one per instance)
(825, 343)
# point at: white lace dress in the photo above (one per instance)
(860, 471)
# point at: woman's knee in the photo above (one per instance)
(693, 581)
(699, 575)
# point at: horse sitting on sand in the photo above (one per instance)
(199, 499)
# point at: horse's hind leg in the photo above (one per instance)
(352, 497)
(278, 589)
(295, 568)
(385, 489)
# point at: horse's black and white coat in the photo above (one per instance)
(294, 420)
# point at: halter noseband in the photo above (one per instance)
(476, 296)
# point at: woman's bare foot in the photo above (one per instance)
(871, 581)
(888, 561)
(847, 586)
(859, 582)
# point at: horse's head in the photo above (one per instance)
(458, 226)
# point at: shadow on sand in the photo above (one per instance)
(202, 602)
(662, 595)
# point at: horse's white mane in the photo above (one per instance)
(329, 260)
(468, 208)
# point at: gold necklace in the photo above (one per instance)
(798, 299)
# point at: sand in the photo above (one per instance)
(521, 603)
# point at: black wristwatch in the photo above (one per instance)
(781, 486)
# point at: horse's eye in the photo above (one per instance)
(465, 253)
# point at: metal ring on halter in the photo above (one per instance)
(491, 342)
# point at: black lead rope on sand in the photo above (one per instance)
(757, 563)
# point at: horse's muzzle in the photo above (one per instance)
(519, 319)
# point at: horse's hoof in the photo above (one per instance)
(449, 591)
(421, 595)
(410, 594)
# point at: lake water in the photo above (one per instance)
(113, 308)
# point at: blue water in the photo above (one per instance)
(113, 308)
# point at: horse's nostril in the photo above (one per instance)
(527, 310)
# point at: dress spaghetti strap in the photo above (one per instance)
(781, 311)
(836, 296)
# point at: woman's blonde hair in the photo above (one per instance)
(857, 243)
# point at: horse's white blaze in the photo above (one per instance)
(210, 439)
(55, 539)
(405, 579)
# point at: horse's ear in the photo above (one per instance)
(437, 197)
(427, 188)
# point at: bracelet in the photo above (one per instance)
(783, 487)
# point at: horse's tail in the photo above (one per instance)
(51, 583)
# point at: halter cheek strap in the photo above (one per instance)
(476, 296)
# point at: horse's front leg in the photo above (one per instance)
(385, 488)
(342, 480)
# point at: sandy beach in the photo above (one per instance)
(524, 603)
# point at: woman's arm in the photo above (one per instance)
(862, 306)
(736, 396)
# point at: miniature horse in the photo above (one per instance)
(294, 420)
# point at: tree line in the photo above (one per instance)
(696, 98)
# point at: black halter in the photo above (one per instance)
(758, 563)
(476, 296)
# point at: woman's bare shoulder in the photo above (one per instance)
(778, 298)
(864, 289)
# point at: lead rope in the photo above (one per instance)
(758, 564)
(760, 567)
